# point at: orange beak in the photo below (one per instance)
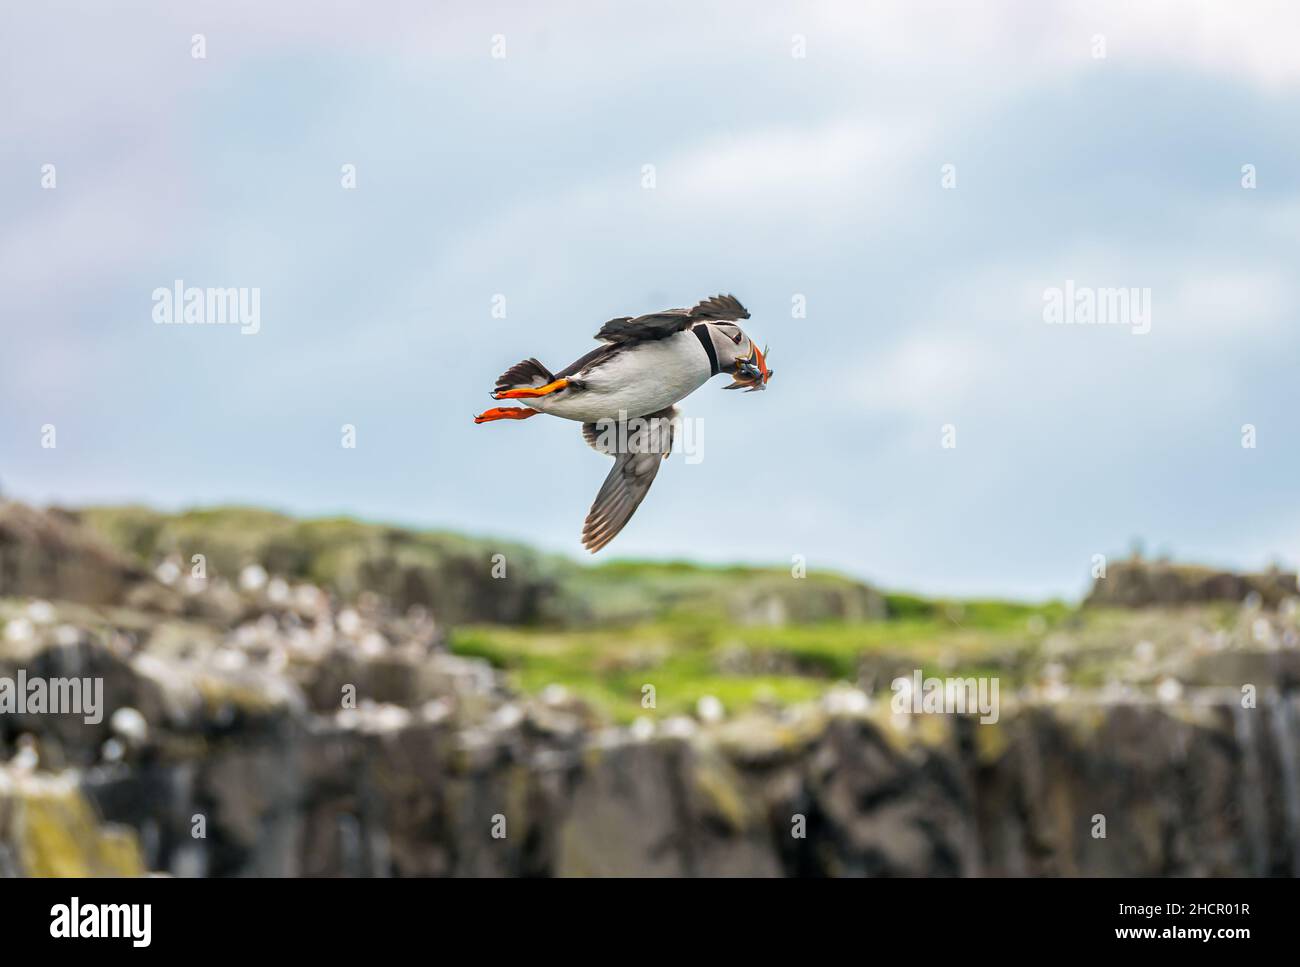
(751, 373)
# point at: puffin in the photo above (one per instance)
(623, 393)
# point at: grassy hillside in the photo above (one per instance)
(455, 575)
(742, 635)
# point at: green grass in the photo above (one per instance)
(741, 633)
(687, 658)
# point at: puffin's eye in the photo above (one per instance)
(736, 338)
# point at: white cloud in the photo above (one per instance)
(1013, 41)
(796, 166)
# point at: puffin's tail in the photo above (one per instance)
(530, 374)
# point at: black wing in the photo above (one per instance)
(660, 325)
(638, 447)
(721, 308)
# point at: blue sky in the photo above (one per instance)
(775, 176)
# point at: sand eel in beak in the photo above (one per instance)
(623, 393)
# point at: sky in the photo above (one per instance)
(920, 177)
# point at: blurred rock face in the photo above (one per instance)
(1137, 583)
(259, 725)
(49, 828)
(45, 555)
(445, 573)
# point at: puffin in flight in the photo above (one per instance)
(623, 394)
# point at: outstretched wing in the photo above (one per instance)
(660, 325)
(638, 446)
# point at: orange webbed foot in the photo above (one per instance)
(505, 413)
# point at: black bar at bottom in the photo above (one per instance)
(228, 918)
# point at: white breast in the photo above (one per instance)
(638, 381)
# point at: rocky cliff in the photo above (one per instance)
(263, 725)
(1140, 583)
